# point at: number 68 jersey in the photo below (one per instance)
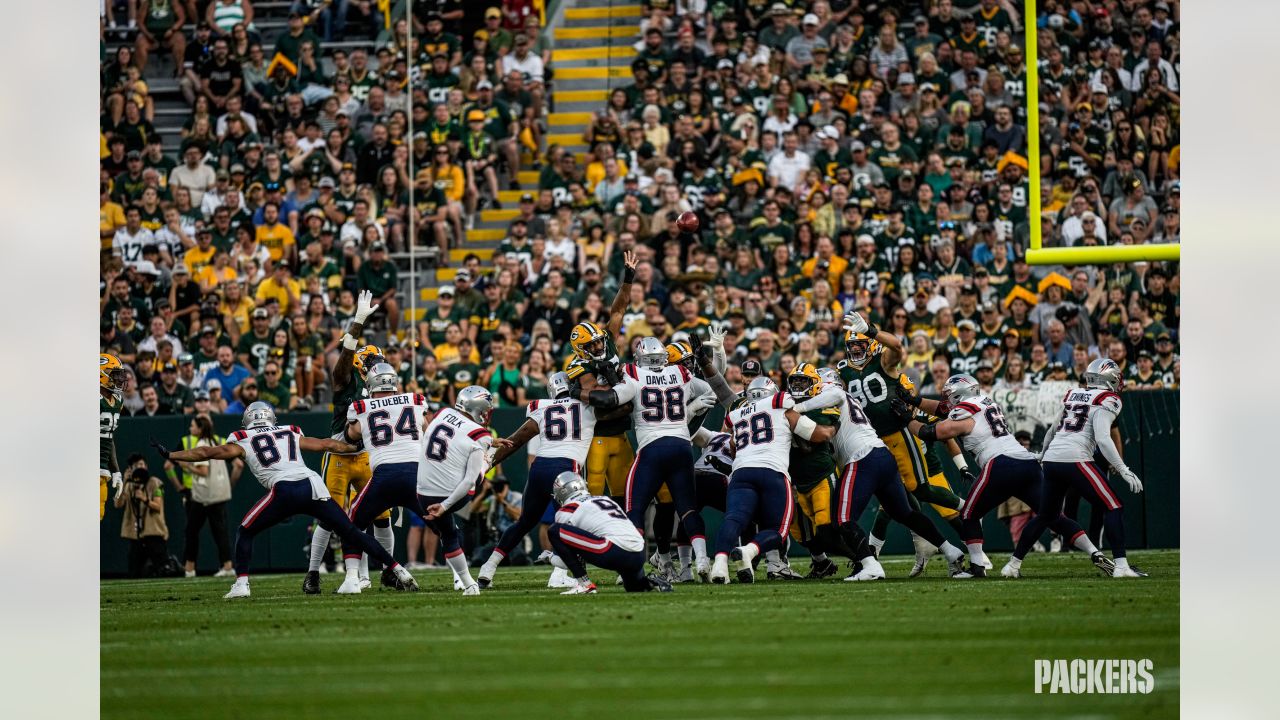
(274, 455)
(990, 436)
(761, 433)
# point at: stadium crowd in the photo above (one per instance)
(840, 154)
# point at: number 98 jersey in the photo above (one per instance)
(390, 427)
(991, 436)
(274, 455)
(660, 400)
(761, 433)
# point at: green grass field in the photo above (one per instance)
(925, 648)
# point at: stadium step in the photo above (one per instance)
(562, 119)
(615, 52)
(591, 73)
(596, 97)
(612, 11)
(625, 32)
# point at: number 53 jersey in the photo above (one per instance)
(274, 455)
(390, 427)
(991, 436)
(1074, 440)
(565, 428)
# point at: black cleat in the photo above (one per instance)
(1103, 563)
(977, 571)
(658, 584)
(821, 569)
(311, 583)
(389, 579)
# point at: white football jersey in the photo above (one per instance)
(761, 433)
(855, 437)
(390, 426)
(447, 444)
(661, 399)
(990, 436)
(274, 454)
(717, 447)
(602, 517)
(1073, 440)
(565, 428)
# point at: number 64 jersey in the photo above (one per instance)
(389, 427)
(990, 436)
(274, 455)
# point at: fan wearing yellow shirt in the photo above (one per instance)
(200, 256)
(275, 236)
(825, 258)
(110, 217)
(234, 309)
(211, 277)
(449, 353)
(282, 288)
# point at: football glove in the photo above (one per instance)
(117, 481)
(969, 478)
(854, 322)
(702, 403)
(901, 409)
(160, 449)
(364, 306)
(1135, 485)
(715, 337)
(908, 397)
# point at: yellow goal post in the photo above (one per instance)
(1037, 254)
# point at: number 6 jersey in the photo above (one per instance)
(990, 436)
(565, 428)
(448, 444)
(390, 427)
(274, 455)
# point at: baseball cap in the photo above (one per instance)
(526, 197)
(476, 115)
(447, 290)
(222, 175)
(840, 79)
(146, 267)
(751, 367)
(200, 395)
(985, 365)
(591, 267)
(181, 269)
(327, 182)
(724, 63)
(378, 246)
(492, 12)
(208, 330)
(237, 169)
(906, 78)
(987, 307)
(484, 85)
(260, 313)
(213, 384)
(864, 239)
(186, 359)
(809, 19)
(463, 274)
(967, 324)
(857, 146)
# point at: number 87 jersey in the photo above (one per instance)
(273, 455)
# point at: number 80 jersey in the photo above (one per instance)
(274, 455)
(391, 427)
(991, 436)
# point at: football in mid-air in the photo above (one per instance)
(688, 222)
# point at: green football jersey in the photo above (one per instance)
(812, 463)
(342, 398)
(608, 372)
(108, 421)
(873, 388)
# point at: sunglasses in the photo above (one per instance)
(271, 374)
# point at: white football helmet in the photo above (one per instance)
(960, 386)
(651, 354)
(558, 385)
(761, 387)
(476, 402)
(383, 378)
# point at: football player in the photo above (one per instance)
(662, 399)
(593, 529)
(867, 469)
(459, 451)
(596, 365)
(564, 426)
(112, 379)
(710, 482)
(871, 373)
(761, 430)
(392, 422)
(1008, 469)
(347, 473)
(274, 454)
(1087, 416)
(813, 474)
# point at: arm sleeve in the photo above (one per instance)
(475, 466)
(724, 394)
(1048, 438)
(831, 396)
(719, 359)
(626, 392)
(1102, 435)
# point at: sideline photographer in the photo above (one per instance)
(142, 498)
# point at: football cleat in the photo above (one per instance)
(957, 569)
(350, 586)
(1103, 563)
(238, 590)
(1010, 571)
(365, 584)
(188, 573)
(720, 570)
(871, 570)
(225, 572)
(389, 579)
(311, 583)
(658, 584)
(984, 561)
(472, 589)
(685, 575)
(977, 571)
(821, 569)
(703, 568)
(1055, 545)
(924, 551)
(585, 587)
(485, 578)
(782, 571)
(662, 565)
(544, 557)
(560, 578)
(1127, 572)
(746, 572)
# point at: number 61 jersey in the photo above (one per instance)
(565, 427)
(761, 433)
(274, 455)
(990, 437)
(390, 427)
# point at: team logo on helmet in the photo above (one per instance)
(111, 375)
(366, 357)
(589, 341)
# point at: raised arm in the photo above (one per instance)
(704, 354)
(624, 293)
(893, 351)
(343, 366)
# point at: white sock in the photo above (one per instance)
(242, 580)
(1084, 543)
(353, 567)
(771, 556)
(699, 549)
(319, 543)
(750, 551)
(364, 566)
(458, 564)
(949, 551)
(975, 552)
(685, 553)
(1015, 563)
(386, 538)
(1122, 562)
(491, 565)
(875, 542)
